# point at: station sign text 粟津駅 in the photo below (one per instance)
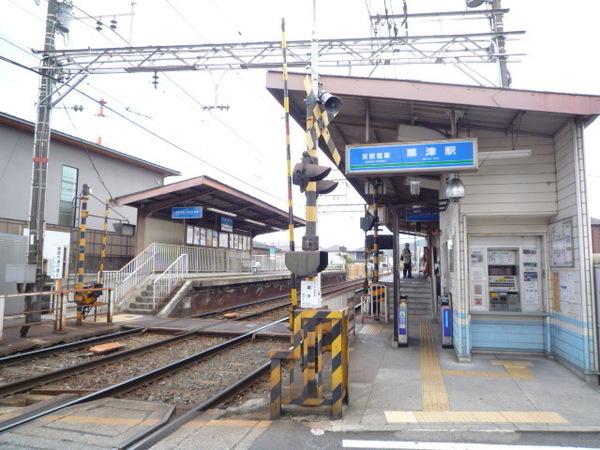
(186, 212)
(452, 155)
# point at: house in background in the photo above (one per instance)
(595, 235)
(73, 162)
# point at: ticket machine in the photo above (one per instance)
(504, 275)
(503, 280)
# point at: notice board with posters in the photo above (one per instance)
(561, 244)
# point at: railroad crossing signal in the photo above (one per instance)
(368, 221)
(308, 170)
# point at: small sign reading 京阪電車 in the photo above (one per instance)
(452, 155)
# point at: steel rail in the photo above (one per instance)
(67, 346)
(151, 437)
(133, 382)
(155, 435)
(59, 374)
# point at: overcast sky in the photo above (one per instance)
(247, 141)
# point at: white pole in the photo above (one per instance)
(2, 299)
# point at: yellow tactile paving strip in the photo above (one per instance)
(433, 391)
(371, 329)
(506, 417)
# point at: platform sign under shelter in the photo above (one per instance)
(452, 155)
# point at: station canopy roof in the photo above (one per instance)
(391, 103)
(251, 214)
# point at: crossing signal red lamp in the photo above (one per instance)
(308, 170)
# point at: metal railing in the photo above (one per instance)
(169, 280)
(60, 302)
(266, 263)
(157, 258)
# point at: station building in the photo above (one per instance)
(515, 254)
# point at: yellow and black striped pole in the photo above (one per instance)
(104, 242)
(288, 153)
(83, 215)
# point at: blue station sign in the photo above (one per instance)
(452, 155)
(186, 212)
(427, 216)
(227, 224)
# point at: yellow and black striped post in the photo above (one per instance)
(288, 153)
(310, 241)
(104, 242)
(83, 215)
(337, 370)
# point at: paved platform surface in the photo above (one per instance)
(43, 335)
(423, 386)
(107, 423)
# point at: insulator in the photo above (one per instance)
(113, 23)
(155, 80)
(98, 25)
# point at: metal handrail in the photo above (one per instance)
(167, 281)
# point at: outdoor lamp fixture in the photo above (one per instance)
(255, 222)
(415, 188)
(476, 3)
(220, 211)
(331, 103)
(455, 189)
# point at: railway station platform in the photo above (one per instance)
(418, 391)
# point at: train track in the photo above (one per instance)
(169, 381)
(137, 381)
(261, 307)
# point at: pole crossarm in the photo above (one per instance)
(344, 52)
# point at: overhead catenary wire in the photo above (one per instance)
(100, 178)
(153, 133)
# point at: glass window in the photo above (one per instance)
(68, 192)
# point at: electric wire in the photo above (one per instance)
(100, 178)
(153, 133)
(182, 89)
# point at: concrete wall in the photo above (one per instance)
(15, 183)
(163, 231)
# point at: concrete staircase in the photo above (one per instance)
(418, 290)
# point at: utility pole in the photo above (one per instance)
(41, 147)
(500, 41)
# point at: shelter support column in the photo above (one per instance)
(396, 274)
(140, 230)
(460, 305)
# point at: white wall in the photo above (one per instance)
(525, 186)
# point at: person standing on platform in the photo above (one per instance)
(406, 257)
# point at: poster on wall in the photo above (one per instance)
(202, 236)
(569, 295)
(235, 241)
(215, 238)
(477, 279)
(530, 293)
(561, 244)
(196, 236)
(223, 240)
(231, 241)
(189, 235)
